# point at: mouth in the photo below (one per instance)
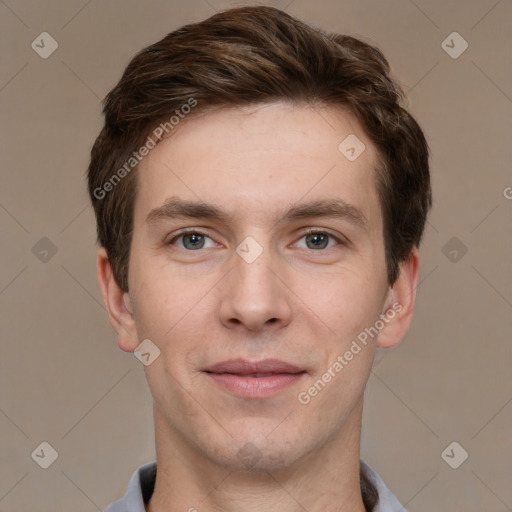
(254, 379)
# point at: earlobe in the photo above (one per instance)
(400, 302)
(119, 307)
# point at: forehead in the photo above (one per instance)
(254, 160)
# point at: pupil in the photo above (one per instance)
(195, 239)
(318, 238)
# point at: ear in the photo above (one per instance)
(119, 306)
(400, 302)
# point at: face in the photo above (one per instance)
(256, 239)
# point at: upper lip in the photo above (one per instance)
(243, 367)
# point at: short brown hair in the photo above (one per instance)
(247, 56)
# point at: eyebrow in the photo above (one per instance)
(175, 207)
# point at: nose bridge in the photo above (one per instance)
(253, 269)
(254, 280)
(253, 293)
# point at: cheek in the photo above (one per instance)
(163, 305)
(346, 302)
(348, 307)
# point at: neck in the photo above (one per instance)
(326, 480)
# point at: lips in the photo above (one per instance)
(265, 368)
(262, 379)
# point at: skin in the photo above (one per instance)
(295, 302)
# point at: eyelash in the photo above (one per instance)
(311, 231)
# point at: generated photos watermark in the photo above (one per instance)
(343, 360)
(151, 142)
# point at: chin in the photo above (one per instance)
(252, 459)
(260, 454)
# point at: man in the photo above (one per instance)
(260, 197)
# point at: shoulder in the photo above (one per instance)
(140, 488)
(387, 501)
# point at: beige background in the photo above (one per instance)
(64, 381)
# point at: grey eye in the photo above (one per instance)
(193, 241)
(317, 240)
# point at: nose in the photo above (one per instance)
(254, 296)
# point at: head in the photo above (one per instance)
(241, 117)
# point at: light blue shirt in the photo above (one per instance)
(142, 484)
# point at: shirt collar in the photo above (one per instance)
(142, 484)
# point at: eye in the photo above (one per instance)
(318, 240)
(191, 240)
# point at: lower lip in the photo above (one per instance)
(255, 387)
